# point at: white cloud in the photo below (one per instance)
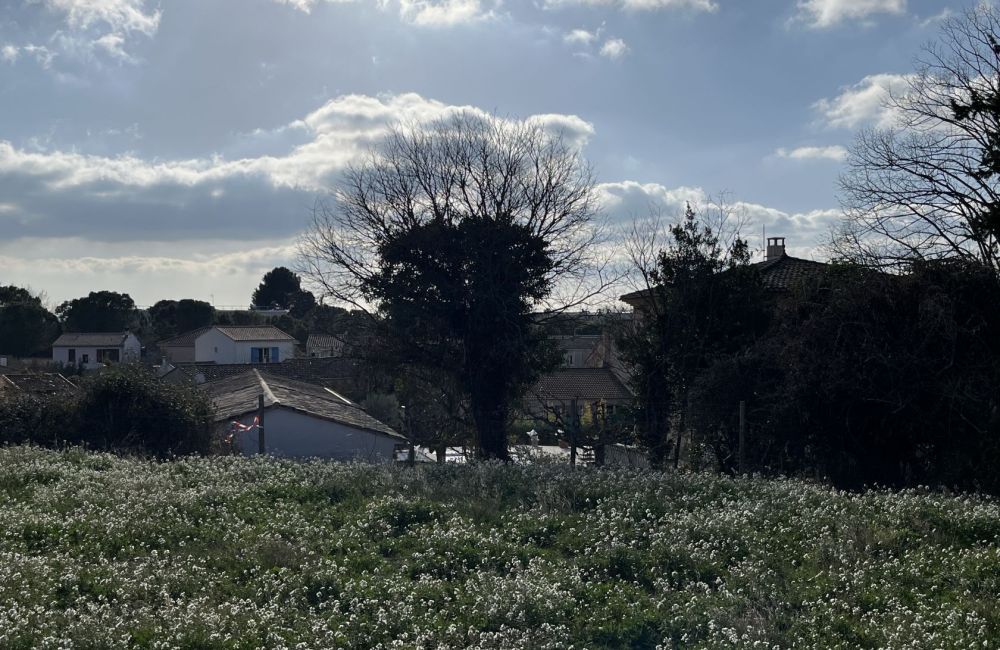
(113, 45)
(614, 49)
(628, 201)
(581, 37)
(426, 13)
(864, 102)
(822, 14)
(339, 133)
(116, 15)
(443, 13)
(69, 267)
(835, 152)
(639, 5)
(9, 53)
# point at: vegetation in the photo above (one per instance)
(124, 408)
(231, 552)
(926, 187)
(455, 233)
(170, 318)
(98, 311)
(27, 328)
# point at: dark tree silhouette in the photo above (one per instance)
(173, 317)
(278, 288)
(451, 235)
(704, 300)
(27, 328)
(99, 311)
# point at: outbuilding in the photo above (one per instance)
(259, 412)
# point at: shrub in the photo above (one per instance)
(126, 408)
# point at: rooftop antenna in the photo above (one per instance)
(763, 239)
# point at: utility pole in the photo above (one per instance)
(574, 423)
(261, 447)
(743, 428)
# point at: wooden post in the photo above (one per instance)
(574, 419)
(261, 447)
(743, 428)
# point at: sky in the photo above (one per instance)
(175, 148)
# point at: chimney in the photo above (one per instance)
(775, 248)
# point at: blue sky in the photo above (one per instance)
(174, 148)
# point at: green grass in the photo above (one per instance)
(98, 551)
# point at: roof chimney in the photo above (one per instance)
(775, 248)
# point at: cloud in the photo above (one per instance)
(638, 5)
(835, 152)
(124, 197)
(120, 16)
(425, 13)
(626, 201)
(614, 49)
(581, 37)
(85, 30)
(822, 14)
(71, 267)
(443, 13)
(9, 53)
(864, 102)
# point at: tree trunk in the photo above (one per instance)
(491, 427)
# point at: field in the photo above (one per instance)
(98, 551)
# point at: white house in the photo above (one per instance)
(299, 420)
(230, 344)
(92, 350)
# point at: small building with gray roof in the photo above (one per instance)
(298, 420)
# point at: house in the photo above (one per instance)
(779, 272)
(299, 420)
(324, 345)
(91, 350)
(230, 344)
(37, 384)
(555, 392)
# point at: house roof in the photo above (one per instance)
(254, 333)
(184, 340)
(91, 339)
(581, 383)
(313, 370)
(324, 340)
(237, 396)
(47, 383)
(779, 274)
(784, 272)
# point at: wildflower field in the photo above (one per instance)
(98, 551)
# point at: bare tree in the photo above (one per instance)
(451, 235)
(927, 187)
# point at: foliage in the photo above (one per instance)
(456, 233)
(126, 407)
(99, 311)
(27, 328)
(704, 302)
(926, 187)
(281, 288)
(230, 552)
(171, 318)
(123, 408)
(870, 378)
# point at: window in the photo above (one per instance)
(85, 358)
(108, 356)
(72, 355)
(264, 355)
(568, 361)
